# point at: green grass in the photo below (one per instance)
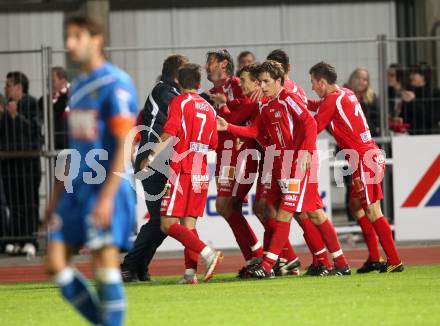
(412, 297)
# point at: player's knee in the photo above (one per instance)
(317, 217)
(223, 208)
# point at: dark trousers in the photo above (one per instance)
(150, 236)
(21, 182)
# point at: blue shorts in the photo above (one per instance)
(74, 224)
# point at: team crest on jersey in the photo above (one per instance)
(277, 114)
(83, 124)
(94, 95)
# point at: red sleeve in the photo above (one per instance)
(245, 112)
(213, 142)
(305, 119)
(325, 114)
(224, 111)
(313, 105)
(251, 131)
(173, 123)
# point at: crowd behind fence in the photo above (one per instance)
(397, 99)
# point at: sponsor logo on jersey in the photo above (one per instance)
(366, 136)
(293, 104)
(289, 186)
(198, 147)
(83, 124)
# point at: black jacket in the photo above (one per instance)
(24, 132)
(153, 116)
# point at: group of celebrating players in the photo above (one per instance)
(259, 123)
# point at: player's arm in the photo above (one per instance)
(122, 106)
(313, 105)
(325, 114)
(251, 131)
(213, 142)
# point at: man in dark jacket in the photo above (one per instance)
(20, 131)
(153, 117)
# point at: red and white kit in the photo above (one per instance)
(292, 129)
(193, 121)
(231, 166)
(342, 112)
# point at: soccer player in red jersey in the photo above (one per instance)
(340, 109)
(191, 125)
(292, 133)
(232, 166)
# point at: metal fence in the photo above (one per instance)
(144, 65)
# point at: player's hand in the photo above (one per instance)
(222, 125)
(102, 214)
(49, 219)
(238, 143)
(145, 164)
(408, 96)
(305, 161)
(218, 98)
(11, 107)
(256, 95)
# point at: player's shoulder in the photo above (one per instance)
(291, 98)
(178, 99)
(119, 77)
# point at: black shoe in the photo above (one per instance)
(341, 271)
(129, 276)
(143, 276)
(242, 273)
(370, 266)
(257, 271)
(287, 268)
(387, 268)
(317, 270)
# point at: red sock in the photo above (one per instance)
(279, 238)
(287, 252)
(370, 238)
(269, 228)
(315, 243)
(186, 237)
(191, 257)
(383, 230)
(332, 243)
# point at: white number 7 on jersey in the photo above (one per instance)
(203, 117)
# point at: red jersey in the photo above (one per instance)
(287, 122)
(293, 87)
(342, 112)
(193, 121)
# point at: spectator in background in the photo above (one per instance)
(422, 113)
(20, 131)
(359, 83)
(60, 98)
(3, 204)
(245, 58)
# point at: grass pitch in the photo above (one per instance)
(411, 297)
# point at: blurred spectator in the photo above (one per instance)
(359, 83)
(398, 97)
(245, 58)
(60, 98)
(20, 131)
(422, 111)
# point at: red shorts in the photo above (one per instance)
(186, 196)
(367, 179)
(236, 178)
(294, 195)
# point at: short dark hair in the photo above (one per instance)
(19, 78)
(171, 66)
(424, 69)
(221, 55)
(189, 76)
(245, 54)
(280, 56)
(273, 68)
(400, 72)
(323, 70)
(92, 24)
(60, 72)
(252, 69)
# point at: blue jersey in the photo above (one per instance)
(100, 103)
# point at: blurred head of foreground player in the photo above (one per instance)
(323, 78)
(219, 66)
(249, 82)
(271, 77)
(84, 40)
(189, 78)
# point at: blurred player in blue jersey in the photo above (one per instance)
(93, 204)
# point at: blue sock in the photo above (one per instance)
(77, 290)
(111, 295)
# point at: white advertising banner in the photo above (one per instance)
(416, 184)
(214, 230)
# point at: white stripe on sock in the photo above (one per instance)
(256, 246)
(320, 252)
(272, 256)
(109, 275)
(337, 253)
(190, 272)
